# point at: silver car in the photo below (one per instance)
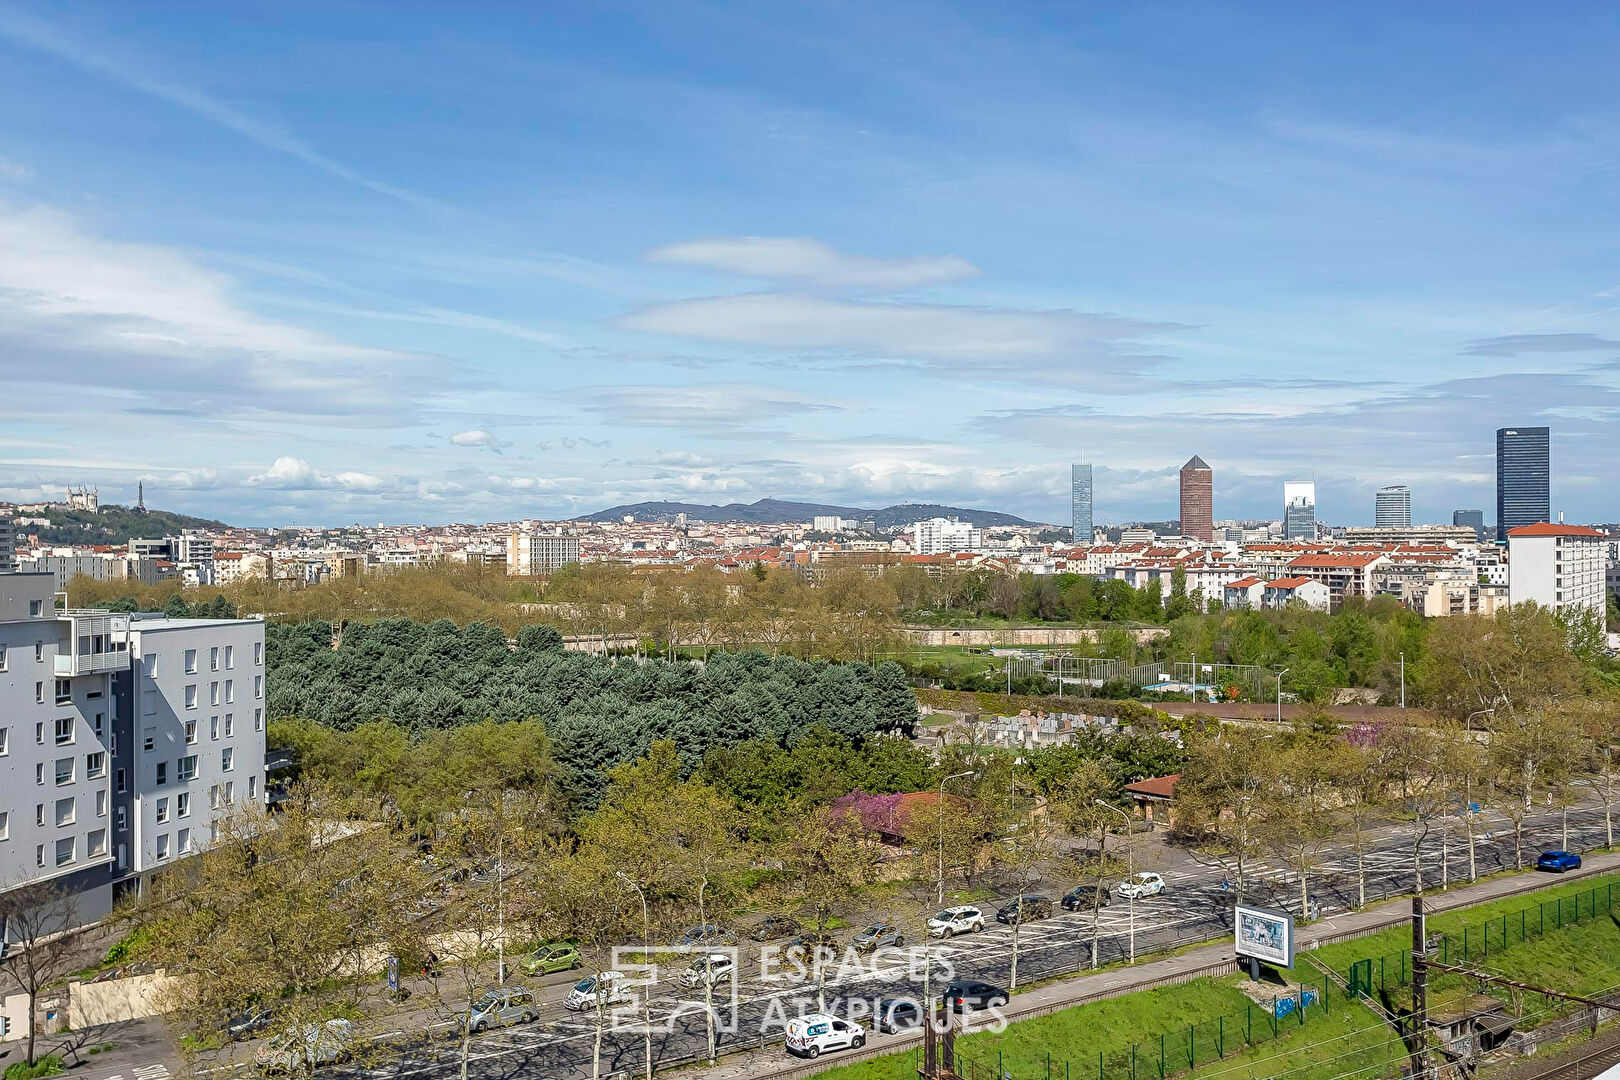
(309, 1046)
(506, 1005)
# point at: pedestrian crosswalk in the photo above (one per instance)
(156, 1070)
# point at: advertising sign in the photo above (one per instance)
(1264, 934)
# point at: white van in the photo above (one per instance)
(809, 1035)
(598, 991)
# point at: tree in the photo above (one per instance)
(1299, 808)
(1533, 753)
(35, 917)
(1359, 773)
(832, 858)
(1217, 795)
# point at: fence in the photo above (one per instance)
(1167, 1054)
(1475, 943)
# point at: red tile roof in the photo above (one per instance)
(1548, 529)
(1243, 583)
(1288, 583)
(1344, 559)
(1163, 787)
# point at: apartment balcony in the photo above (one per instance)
(98, 643)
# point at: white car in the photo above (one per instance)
(1146, 884)
(956, 920)
(598, 991)
(809, 1035)
(713, 968)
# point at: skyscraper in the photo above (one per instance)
(1198, 500)
(1080, 502)
(1523, 478)
(1474, 519)
(1393, 508)
(1299, 510)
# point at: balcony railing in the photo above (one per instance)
(98, 642)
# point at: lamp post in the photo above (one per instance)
(1468, 783)
(1403, 680)
(646, 1002)
(942, 783)
(1130, 863)
(1280, 674)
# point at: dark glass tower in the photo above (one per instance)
(1523, 478)
(1080, 502)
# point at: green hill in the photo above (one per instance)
(114, 525)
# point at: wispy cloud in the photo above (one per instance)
(14, 170)
(1519, 344)
(811, 262)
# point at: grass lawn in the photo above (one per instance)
(1580, 959)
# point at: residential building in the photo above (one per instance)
(531, 553)
(1393, 508)
(1198, 500)
(194, 548)
(937, 536)
(1243, 594)
(1345, 573)
(1281, 592)
(1080, 502)
(825, 523)
(1523, 478)
(1472, 519)
(1299, 510)
(1558, 566)
(91, 745)
(8, 549)
(1454, 535)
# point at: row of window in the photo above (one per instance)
(216, 655)
(67, 848)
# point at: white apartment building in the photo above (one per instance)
(530, 553)
(1558, 566)
(940, 536)
(86, 764)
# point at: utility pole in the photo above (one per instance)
(1280, 674)
(942, 783)
(1418, 1042)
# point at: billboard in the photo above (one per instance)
(1264, 934)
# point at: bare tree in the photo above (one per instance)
(35, 918)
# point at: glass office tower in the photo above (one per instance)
(1523, 478)
(1080, 502)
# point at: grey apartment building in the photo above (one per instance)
(123, 739)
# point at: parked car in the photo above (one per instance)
(245, 1025)
(1085, 898)
(808, 1036)
(711, 968)
(1023, 909)
(880, 935)
(1558, 861)
(804, 945)
(549, 958)
(774, 926)
(1144, 884)
(956, 920)
(500, 1007)
(306, 1047)
(965, 994)
(708, 934)
(895, 1015)
(594, 991)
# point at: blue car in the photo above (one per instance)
(1558, 861)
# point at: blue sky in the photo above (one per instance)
(327, 262)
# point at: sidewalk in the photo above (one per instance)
(1216, 958)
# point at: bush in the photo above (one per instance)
(49, 1065)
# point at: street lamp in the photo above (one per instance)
(942, 783)
(647, 1026)
(1403, 680)
(1130, 864)
(1280, 674)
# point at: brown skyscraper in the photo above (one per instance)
(1197, 500)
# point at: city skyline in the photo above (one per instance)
(802, 262)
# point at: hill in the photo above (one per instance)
(114, 525)
(777, 510)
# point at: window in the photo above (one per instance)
(163, 846)
(39, 652)
(5, 825)
(228, 795)
(5, 741)
(101, 724)
(230, 725)
(101, 802)
(162, 773)
(39, 772)
(64, 771)
(230, 658)
(64, 691)
(122, 783)
(121, 819)
(39, 733)
(258, 653)
(186, 768)
(213, 727)
(95, 765)
(191, 696)
(258, 719)
(253, 788)
(149, 664)
(258, 686)
(183, 841)
(213, 797)
(191, 661)
(64, 730)
(213, 693)
(191, 732)
(64, 850)
(67, 811)
(39, 693)
(2, 657)
(35, 607)
(149, 700)
(149, 739)
(225, 760)
(95, 843)
(162, 811)
(39, 814)
(182, 804)
(39, 855)
(213, 658)
(230, 691)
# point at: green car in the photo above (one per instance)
(549, 958)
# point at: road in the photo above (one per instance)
(1193, 908)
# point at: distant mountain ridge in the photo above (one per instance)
(774, 510)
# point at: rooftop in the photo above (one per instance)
(1548, 529)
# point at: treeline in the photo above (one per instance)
(597, 712)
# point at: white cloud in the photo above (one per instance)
(295, 474)
(475, 437)
(719, 406)
(807, 261)
(12, 170)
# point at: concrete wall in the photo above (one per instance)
(15, 1010)
(117, 1000)
(1019, 635)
